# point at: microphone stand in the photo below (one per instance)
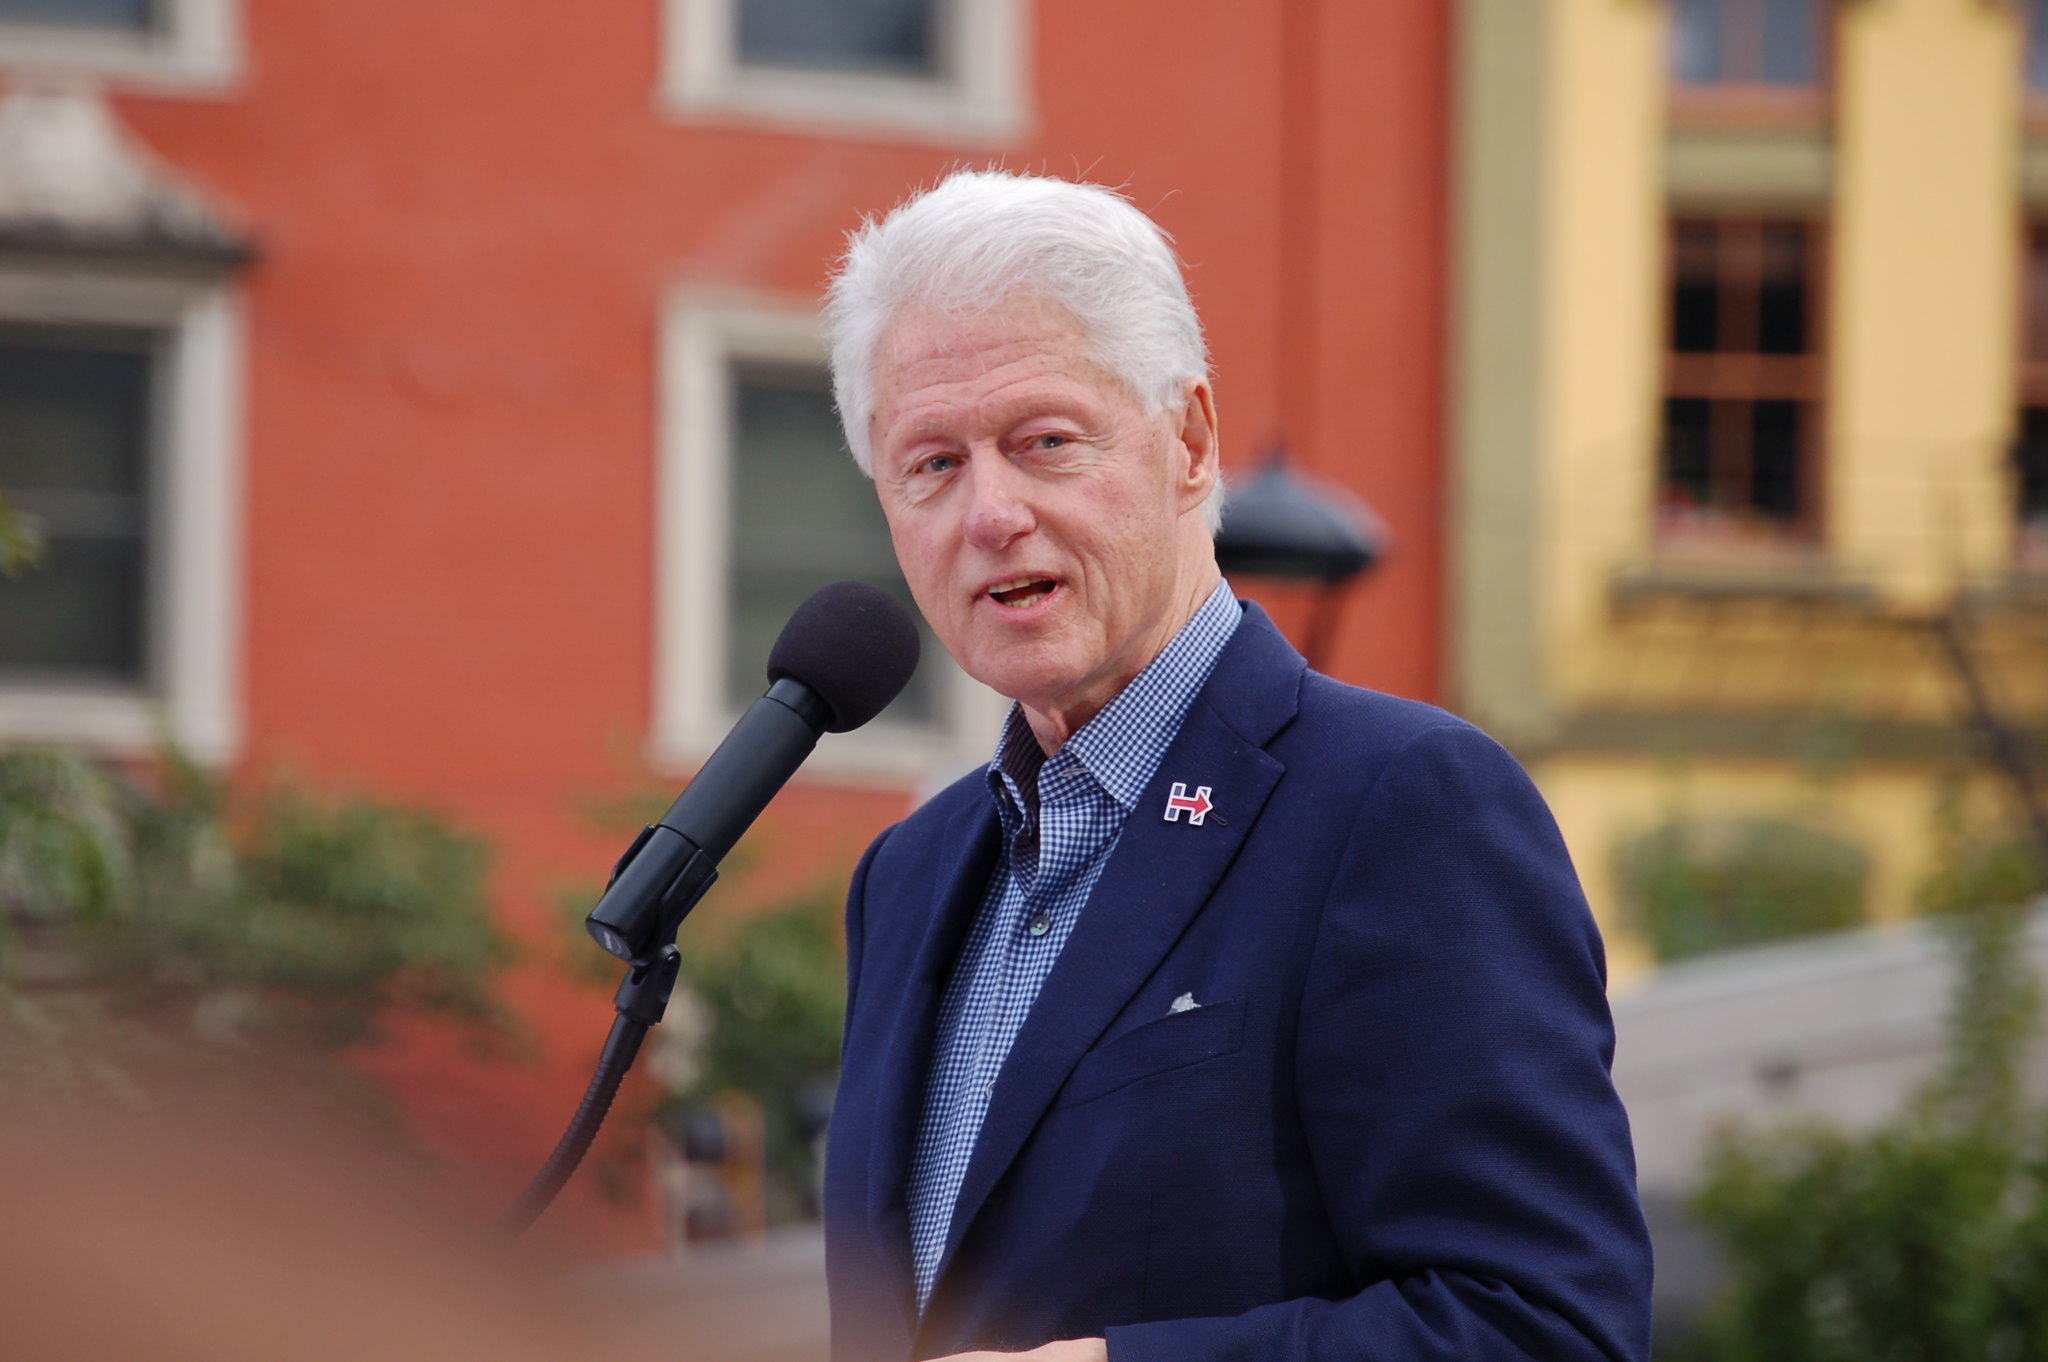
(642, 998)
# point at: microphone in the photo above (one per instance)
(844, 655)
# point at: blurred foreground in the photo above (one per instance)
(220, 1231)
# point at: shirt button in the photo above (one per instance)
(1040, 925)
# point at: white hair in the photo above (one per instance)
(981, 237)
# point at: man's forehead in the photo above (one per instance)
(1025, 339)
(923, 332)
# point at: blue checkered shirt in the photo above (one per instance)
(1061, 816)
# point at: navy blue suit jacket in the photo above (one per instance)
(1386, 1131)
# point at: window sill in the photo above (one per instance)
(107, 718)
(1781, 572)
(199, 55)
(847, 106)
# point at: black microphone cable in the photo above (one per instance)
(844, 655)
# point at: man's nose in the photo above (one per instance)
(1000, 507)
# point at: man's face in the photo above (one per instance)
(1051, 530)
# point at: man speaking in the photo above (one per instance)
(1231, 1012)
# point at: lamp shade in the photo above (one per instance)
(1282, 523)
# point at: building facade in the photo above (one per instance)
(429, 397)
(1746, 422)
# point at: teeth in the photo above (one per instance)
(1023, 590)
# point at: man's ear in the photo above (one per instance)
(1199, 442)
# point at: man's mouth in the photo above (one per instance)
(1022, 591)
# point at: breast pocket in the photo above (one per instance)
(1174, 1041)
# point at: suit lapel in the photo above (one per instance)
(962, 876)
(1157, 880)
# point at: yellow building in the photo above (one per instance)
(1742, 292)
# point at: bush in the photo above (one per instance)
(315, 915)
(773, 988)
(1698, 885)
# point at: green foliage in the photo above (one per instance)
(1909, 1245)
(774, 986)
(317, 913)
(1696, 885)
(1925, 1241)
(21, 541)
(64, 843)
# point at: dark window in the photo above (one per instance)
(1742, 382)
(1776, 439)
(75, 420)
(1773, 43)
(2030, 451)
(1783, 311)
(1695, 285)
(1737, 289)
(117, 15)
(802, 516)
(886, 37)
(2033, 472)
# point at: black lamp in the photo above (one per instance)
(1283, 523)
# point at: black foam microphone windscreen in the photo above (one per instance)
(853, 645)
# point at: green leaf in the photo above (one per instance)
(21, 540)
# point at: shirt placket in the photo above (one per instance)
(1040, 855)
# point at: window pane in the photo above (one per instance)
(2035, 298)
(1790, 42)
(888, 36)
(1688, 483)
(1782, 307)
(94, 14)
(802, 516)
(80, 613)
(74, 410)
(1774, 460)
(1695, 297)
(2032, 456)
(1696, 41)
(74, 452)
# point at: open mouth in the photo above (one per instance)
(1021, 592)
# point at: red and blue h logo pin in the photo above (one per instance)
(1196, 807)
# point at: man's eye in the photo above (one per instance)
(1048, 441)
(938, 463)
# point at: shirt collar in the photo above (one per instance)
(1124, 743)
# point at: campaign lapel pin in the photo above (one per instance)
(1195, 806)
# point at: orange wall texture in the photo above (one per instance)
(468, 213)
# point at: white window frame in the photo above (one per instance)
(191, 694)
(984, 99)
(701, 338)
(200, 49)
